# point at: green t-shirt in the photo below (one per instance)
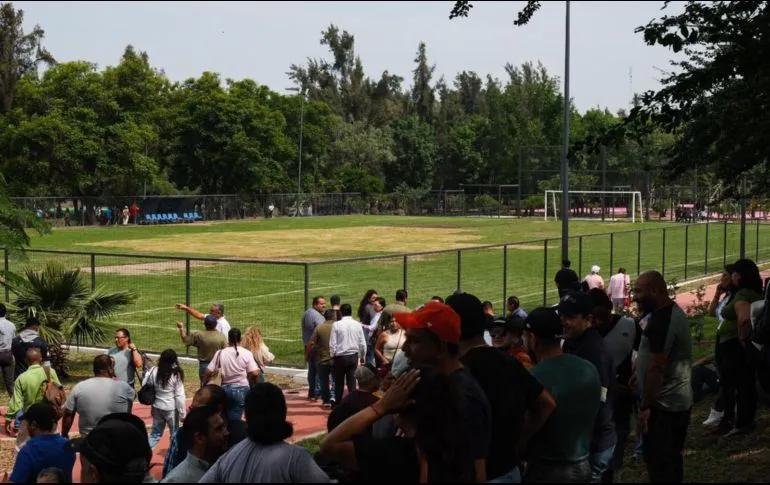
(729, 327)
(668, 332)
(207, 342)
(575, 386)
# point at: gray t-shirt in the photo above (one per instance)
(125, 370)
(249, 462)
(7, 333)
(310, 320)
(619, 342)
(97, 397)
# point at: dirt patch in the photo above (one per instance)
(308, 243)
(528, 247)
(150, 268)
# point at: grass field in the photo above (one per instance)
(272, 295)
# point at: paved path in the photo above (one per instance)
(307, 417)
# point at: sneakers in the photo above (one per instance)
(326, 405)
(714, 418)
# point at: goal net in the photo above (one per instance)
(597, 205)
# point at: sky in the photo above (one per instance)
(260, 40)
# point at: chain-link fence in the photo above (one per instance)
(273, 295)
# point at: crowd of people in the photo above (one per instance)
(447, 391)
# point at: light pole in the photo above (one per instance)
(299, 157)
(565, 150)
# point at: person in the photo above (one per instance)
(435, 445)
(583, 340)
(559, 451)
(270, 210)
(489, 313)
(514, 307)
(205, 432)
(508, 335)
(134, 212)
(239, 372)
(51, 474)
(620, 283)
(265, 457)
(208, 342)
(622, 336)
(312, 318)
(45, 448)
(371, 331)
(215, 397)
(488, 308)
(705, 378)
(125, 213)
(347, 346)
(127, 357)
(319, 346)
(336, 302)
(7, 334)
(663, 369)
(432, 338)
(95, 398)
(217, 310)
(117, 450)
(255, 343)
(28, 338)
(368, 383)
(28, 391)
(722, 296)
(736, 370)
(511, 391)
(168, 409)
(366, 309)
(389, 343)
(566, 279)
(400, 306)
(437, 299)
(594, 280)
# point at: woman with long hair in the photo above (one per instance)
(255, 343)
(389, 343)
(169, 407)
(366, 308)
(239, 371)
(736, 372)
(434, 442)
(265, 457)
(724, 293)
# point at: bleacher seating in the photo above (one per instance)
(171, 218)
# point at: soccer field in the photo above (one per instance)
(272, 296)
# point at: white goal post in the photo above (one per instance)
(636, 201)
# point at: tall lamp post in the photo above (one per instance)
(299, 157)
(565, 149)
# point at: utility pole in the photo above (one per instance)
(565, 151)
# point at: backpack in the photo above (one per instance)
(147, 393)
(53, 393)
(761, 328)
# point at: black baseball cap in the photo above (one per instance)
(43, 415)
(511, 322)
(576, 303)
(472, 317)
(117, 445)
(546, 323)
(210, 321)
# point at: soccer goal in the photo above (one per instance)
(605, 205)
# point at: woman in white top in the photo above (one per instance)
(239, 371)
(255, 343)
(389, 343)
(169, 407)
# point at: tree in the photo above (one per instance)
(422, 92)
(69, 311)
(20, 53)
(415, 151)
(14, 223)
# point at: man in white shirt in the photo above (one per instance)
(217, 309)
(347, 347)
(618, 290)
(7, 334)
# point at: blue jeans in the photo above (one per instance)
(600, 462)
(161, 419)
(313, 380)
(236, 397)
(325, 371)
(202, 366)
(513, 476)
(370, 355)
(261, 378)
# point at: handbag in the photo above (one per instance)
(53, 393)
(216, 376)
(147, 392)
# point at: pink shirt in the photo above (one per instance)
(594, 281)
(234, 368)
(618, 285)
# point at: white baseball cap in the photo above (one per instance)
(595, 269)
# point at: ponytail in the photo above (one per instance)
(233, 338)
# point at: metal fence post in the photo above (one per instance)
(6, 267)
(545, 272)
(756, 260)
(638, 252)
(406, 278)
(505, 273)
(93, 271)
(706, 271)
(580, 255)
(187, 296)
(724, 244)
(459, 269)
(612, 251)
(307, 287)
(663, 269)
(686, 248)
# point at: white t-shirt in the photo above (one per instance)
(618, 284)
(222, 325)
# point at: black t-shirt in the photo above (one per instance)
(590, 346)
(510, 390)
(475, 411)
(566, 278)
(352, 404)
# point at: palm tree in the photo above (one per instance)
(68, 310)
